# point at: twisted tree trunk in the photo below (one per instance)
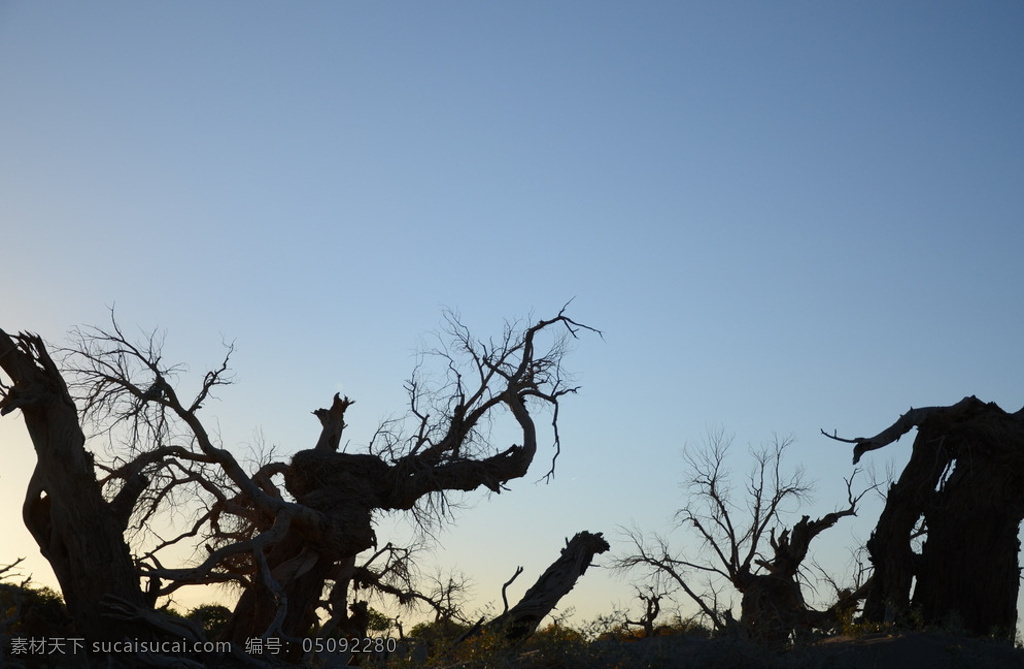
(77, 530)
(965, 479)
(346, 488)
(773, 605)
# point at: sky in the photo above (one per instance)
(782, 216)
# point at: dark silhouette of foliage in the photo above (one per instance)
(213, 618)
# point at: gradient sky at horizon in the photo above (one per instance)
(783, 217)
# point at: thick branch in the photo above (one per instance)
(407, 483)
(198, 574)
(908, 421)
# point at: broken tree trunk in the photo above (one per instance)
(77, 530)
(965, 481)
(773, 606)
(522, 620)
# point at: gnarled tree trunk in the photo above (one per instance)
(965, 479)
(773, 605)
(345, 488)
(77, 530)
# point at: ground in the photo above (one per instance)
(931, 650)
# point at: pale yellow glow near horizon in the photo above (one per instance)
(19, 461)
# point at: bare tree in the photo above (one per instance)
(288, 532)
(746, 547)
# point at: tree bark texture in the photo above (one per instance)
(966, 479)
(74, 526)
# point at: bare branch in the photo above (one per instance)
(504, 589)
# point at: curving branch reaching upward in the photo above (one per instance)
(446, 451)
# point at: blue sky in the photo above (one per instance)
(783, 216)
